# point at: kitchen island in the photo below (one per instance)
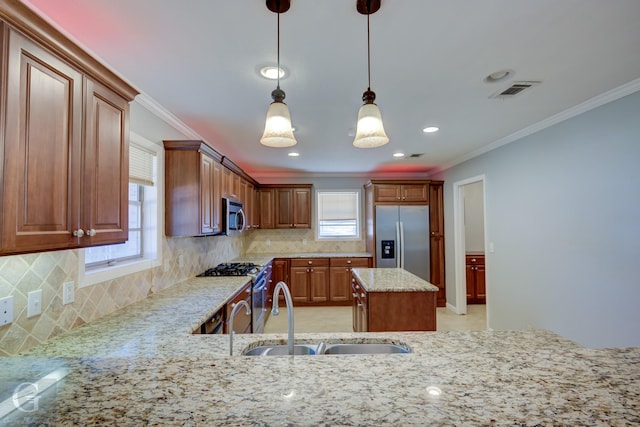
(392, 299)
(142, 365)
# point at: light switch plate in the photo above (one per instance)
(68, 292)
(34, 303)
(6, 310)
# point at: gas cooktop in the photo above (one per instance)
(232, 269)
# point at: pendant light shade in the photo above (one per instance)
(278, 131)
(369, 130)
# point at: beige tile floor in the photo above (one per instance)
(338, 319)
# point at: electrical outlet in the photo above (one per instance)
(6, 310)
(34, 303)
(181, 261)
(304, 241)
(68, 293)
(268, 242)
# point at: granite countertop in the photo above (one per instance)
(141, 365)
(391, 280)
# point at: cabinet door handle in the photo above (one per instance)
(354, 295)
(349, 261)
(473, 260)
(311, 270)
(78, 233)
(362, 295)
(91, 232)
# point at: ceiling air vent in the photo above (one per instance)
(514, 89)
(415, 155)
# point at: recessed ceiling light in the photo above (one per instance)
(431, 129)
(498, 76)
(293, 154)
(271, 72)
(398, 154)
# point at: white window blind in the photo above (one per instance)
(338, 214)
(140, 166)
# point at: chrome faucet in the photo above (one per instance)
(275, 311)
(234, 310)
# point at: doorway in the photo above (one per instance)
(469, 210)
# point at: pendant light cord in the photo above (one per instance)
(278, 48)
(368, 54)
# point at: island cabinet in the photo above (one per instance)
(476, 289)
(280, 274)
(193, 180)
(340, 278)
(393, 309)
(309, 280)
(64, 138)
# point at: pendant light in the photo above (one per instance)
(277, 129)
(369, 131)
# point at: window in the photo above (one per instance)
(101, 256)
(338, 215)
(143, 248)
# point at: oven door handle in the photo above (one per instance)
(260, 287)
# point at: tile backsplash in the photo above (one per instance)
(295, 241)
(21, 274)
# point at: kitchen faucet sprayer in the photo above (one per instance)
(275, 310)
(236, 308)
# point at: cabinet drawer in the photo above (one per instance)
(475, 259)
(306, 262)
(349, 262)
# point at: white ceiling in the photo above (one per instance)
(199, 59)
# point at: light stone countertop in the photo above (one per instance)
(392, 280)
(141, 366)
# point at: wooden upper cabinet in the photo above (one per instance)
(266, 206)
(207, 219)
(285, 206)
(293, 207)
(192, 199)
(402, 193)
(42, 148)
(106, 166)
(64, 139)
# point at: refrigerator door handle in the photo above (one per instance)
(402, 244)
(398, 245)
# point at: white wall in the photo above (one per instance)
(563, 211)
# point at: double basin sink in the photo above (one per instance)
(330, 348)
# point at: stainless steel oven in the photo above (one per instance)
(259, 304)
(233, 218)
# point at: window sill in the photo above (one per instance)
(103, 274)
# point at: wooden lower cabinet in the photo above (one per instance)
(242, 320)
(309, 280)
(340, 278)
(476, 287)
(393, 311)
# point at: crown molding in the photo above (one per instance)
(167, 116)
(590, 104)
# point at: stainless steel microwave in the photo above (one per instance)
(233, 218)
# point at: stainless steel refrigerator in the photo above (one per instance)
(402, 238)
